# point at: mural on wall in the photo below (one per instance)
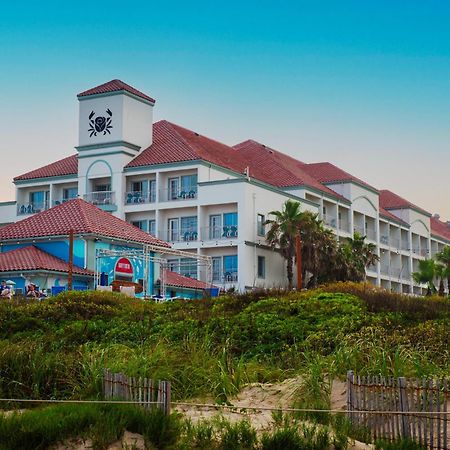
(126, 269)
(100, 124)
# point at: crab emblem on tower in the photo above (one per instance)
(100, 124)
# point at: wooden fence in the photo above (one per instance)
(148, 393)
(410, 397)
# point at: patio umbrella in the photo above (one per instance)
(10, 282)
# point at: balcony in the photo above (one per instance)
(169, 195)
(329, 220)
(230, 276)
(105, 200)
(344, 225)
(31, 208)
(219, 233)
(385, 269)
(404, 245)
(179, 236)
(137, 197)
(384, 239)
(371, 234)
(359, 230)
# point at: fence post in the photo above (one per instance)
(403, 397)
(350, 394)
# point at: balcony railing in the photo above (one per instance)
(359, 230)
(230, 276)
(344, 225)
(329, 220)
(31, 208)
(168, 195)
(371, 234)
(218, 233)
(136, 197)
(101, 198)
(179, 236)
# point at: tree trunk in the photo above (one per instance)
(290, 273)
(441, 287)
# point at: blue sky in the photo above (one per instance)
(364, 85)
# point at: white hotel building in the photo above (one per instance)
(208, 198)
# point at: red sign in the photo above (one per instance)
(123, 265)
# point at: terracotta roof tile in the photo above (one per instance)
(326, 172)
(32, 258)
(278, 168)
(81, 217)
(390, 200)
(177, 280)
(387, 214)
(440, 228)
(115, 86)
(65, 166)
(172, 143)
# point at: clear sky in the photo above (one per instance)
(362, 84)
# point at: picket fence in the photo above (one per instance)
(410, 397)
(148, 393)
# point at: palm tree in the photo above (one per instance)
(283, 231)
(444, 258)
(426, 274)
(441, 273)
(358, 255)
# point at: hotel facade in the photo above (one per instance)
(207, 198)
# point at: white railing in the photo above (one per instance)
(179, 235)
(168, 195)
(101, 198)
(136, 197)
(344, 225)
(371, 234)
(230, 276)
(329, 220)
(219, 233)
(31, 208)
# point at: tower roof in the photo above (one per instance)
(115, 86)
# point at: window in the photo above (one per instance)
(173, 188)
(102, 188)
(152, 227)
(70, 193)
(215, 226)
(152, 190)
(173, 234)
(141, 224)
(39, 200)
(139, 186)
(217, 268)
(230, 219)
(261, 267)
(189, 228)
(261, 227)
(188, 267)
(230, 267)
(189, 184)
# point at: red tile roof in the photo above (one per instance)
(177, 280)
(387, 214)
(439, 228)
(172, 143)
(32, 258)
(65, 166)
(278, 168)
(82, 218)
(390, 200)
(326, 172)
(115, 86)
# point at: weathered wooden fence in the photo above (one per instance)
(148, 393)
(408, 408)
